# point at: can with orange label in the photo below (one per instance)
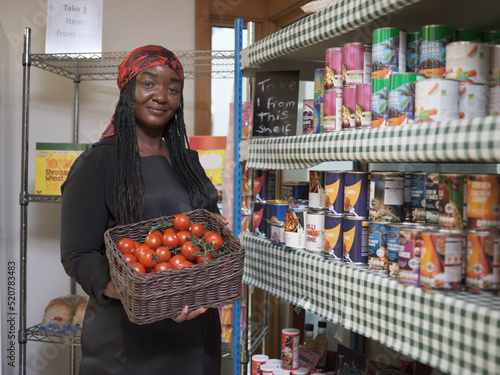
(355, 232)
(356, 194)
(441, 259)
(482, 260)
(334, 192)
(483, 201)
(333, 241)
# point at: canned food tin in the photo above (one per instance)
(290, 341)
(410, 245)
(317, 189)
(300, 371)
(386, 196)
(482, 260)
(266, 368)
(259, 221)
(393, 246)
(412, 51)
(380, 98)
(295, 224)
(491, 37)
(264, 184)
(350, 371)
(495, 64)
(432, 199)
(333, 68)
(377, 246)
(452, 196)
(319, 85)
(494, 101)
(275, 210)
(298, 203)
(401, 108)
(334, 192)
(281, 371)
(333, 110)
(408, 366)
(333, 242)
(436, 99)
(433, 41)
(442, 259)
(363, 115)
(348, 107)
(315, 231)
(355, 232)
(483, 201)
(407, 194)
(467, 35)
(418, 182)
(318, 117)
(355, 193)
(468, 61)
(257, 361)
(308, 116)
(356, 63)
(294, 190)
(277, 233)
(473, 100)
(388, 52)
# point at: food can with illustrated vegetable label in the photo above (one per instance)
(495, 64)
(295, 233)
(356, 63)
(388, 52)
(259, 220)
(380, 101)
(436, 99)
(356, 193)
(410, 247)
(433, 42)
(277, 233)
(332, 110)
(432, 199)
(386, 196)
(294, 190)
(483, 201)
(401, 107)
(290, 341)
(348, 107)
(317, 190)
(377, 246)
(468, 61)
(315, 231)
(473, 99)
(355, 239)
(482, 260)
(491, 37)
(333, 242)
(318, 117)
(319, 85)
(275, 210)
(257, 361)
(308, 116)
(452, 198)
(333, 68)
(494, 101)
(418, 183)
(412, 51)
(442, 259)
(363, 114)
(467, 35)
(334, 192)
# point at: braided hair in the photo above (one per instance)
(128, 182)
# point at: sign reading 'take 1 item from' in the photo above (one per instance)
(74, 26)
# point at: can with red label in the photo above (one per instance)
(355, 239)
(332, 108)
(334, 192)
(410, 247)
(308, 117)
(333, 242)
(348, 107)
(259, 184)
(257, 361)
(482, 260)
(356, 63)
(442, 259)
(315, 231)
(356, 193)
(295, 232)
(259, 219)
(333, 68)
(483, 201)
(377, 246)
(290, 341)
(317, 189)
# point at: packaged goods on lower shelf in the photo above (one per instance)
(65, 315)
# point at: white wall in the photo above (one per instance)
(127, 24)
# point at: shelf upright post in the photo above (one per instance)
(238, 77)
(24, 200)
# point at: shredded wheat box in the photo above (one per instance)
(53, 161)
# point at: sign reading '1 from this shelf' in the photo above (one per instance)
(74, 26)
(275, 104)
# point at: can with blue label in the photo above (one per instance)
(334, 242)
(318, 117)
(377, 246)
(356, 194)
(294, 190)
(277, 233)
(276, 210)
(259, 219)
(298, 203)
(334, 192)
(355, 240)
(418, 182)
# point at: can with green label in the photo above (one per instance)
(432, 59)
(380, 100)
(468, 35)
(412, 51)
(388, 52)
(491, 37)
(401, 107)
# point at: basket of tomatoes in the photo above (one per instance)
(161, 265)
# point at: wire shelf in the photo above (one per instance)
(104, 66)
(36, 334)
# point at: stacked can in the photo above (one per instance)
(491, 37)
(296, 194)
(319, 95)
(334, 215)
(380, 98)
(333, 89)
(436, 99)
(308, 117)
(294, 190)
(494, 81)
(433, 42)
(315, 215)
(482, 260)
(264, 185)
(275, 220)
(401, 103)
(412, 51)
(246, 196)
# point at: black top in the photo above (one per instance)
(111, 344)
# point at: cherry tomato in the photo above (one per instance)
(208, 259)
(215, 239)
(189, 251)
(170, 240)
(207, 233)
(184, 263)
(183, 236)
(176, 259)
(157, 233)
(125, 245)
(182, 222)
(148, 258)
(170, 230)
(163, 266)
(198, 229)
(139, 250)
(163, 254)
(138, 267)
(136, 244)
(130, 258)
(153, 240)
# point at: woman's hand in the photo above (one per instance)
(186, 315)
(110, 291)
(222, 218)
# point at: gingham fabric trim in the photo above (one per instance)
(474, 140)
(338, 19)
(458, 333)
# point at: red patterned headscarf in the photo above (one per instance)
(138, 60)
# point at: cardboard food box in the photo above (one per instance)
(53, 161)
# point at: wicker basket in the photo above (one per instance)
(151, 297)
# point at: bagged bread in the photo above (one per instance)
(63, 313)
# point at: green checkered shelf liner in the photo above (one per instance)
(459, 333)
(472, 140)
(338, 19)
